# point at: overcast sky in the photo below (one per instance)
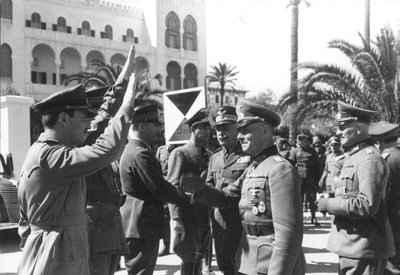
(254, 35)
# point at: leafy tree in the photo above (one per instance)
(372, 82)
(223, 74)
(265, 98)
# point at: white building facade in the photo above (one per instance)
(43, 41)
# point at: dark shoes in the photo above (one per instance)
(315, 222)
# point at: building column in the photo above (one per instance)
(15, 129)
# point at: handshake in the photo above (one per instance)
(190, 182)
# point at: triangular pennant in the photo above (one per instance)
(184, 101)
(181, 133)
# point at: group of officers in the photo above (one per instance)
(75, 221)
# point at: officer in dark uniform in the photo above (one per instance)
(52, 190)
(190, 161)
(226, 165)
(361, 234)
(386, 135)
(306, 162)
(146, 190)
(268, 195)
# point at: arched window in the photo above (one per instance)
(190, 79)
(36, 21)
(6, 61)
(172, 34)
(174, 76)
(86, 28)
(189, 34)
(108, 32)
(6, 9)
(61, 24)
(129, 35)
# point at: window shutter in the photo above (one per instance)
(166, 38)
(178, 42)
(79, 31)
(54, 27)
(184, 42)
(124, 38)
(136, 40)
(69, 30)
(27, 23)
(92, 33)
(43, 26)
(102, 34)
(33, 77)
(54, 79)
(195, 44)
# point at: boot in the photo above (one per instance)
(187, 268)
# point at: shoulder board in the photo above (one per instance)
(279, 159)
(340, 157)
(369, 151)
(218, 150)
(243, 159)
(385, 155)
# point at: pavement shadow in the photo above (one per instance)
(321, 267)
(314, 250)
(169, 269)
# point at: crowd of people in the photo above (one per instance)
(92, 189)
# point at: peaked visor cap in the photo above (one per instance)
(72, 98)
(226, 115)
(383, 130)
(146, 113)
(249, 112)
(200, 117)
(348, 113)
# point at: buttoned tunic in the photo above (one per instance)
(360, 228)
(270, 207)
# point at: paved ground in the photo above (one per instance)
(319, 261)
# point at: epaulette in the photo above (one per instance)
(279, 159)
(385, 155)
(369, 151)
(340, 157)
(218, 150)
(243, 159)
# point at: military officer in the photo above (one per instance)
(306, 162)
(333, 165)
(361, 234)
(226, 165)
(190, 161)
(52, 191)
(386, 135)
(268, 195)
(146, 190)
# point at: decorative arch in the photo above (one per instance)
(70, 63)
(118, 59)
(6, 9)
(189, 33)
(93, 56)
(108, 32)
(173, 76)
(43, 66)
(190, 79)
(61, 24)
(36, 21)
(86, 28)
(172, 33)
(130, 36)
(6, 61)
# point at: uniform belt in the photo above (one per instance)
(48, 225)
(258, 229)
(96, 197)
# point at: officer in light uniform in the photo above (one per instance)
(226, 166)
(361, 234)
(386, 135)
(268, 195)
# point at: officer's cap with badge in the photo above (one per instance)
(146, 113)
(348, 113)
(72, 98)
(302, 136)
(226, 115)
(249, 112)
(383, 131)
(199, 118)
(95, 96)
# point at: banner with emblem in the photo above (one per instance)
(178, 106)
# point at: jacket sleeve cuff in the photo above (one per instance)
(323, 204)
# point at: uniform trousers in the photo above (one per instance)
(142, 256)
(350, 266)
(103, 263)
(226, 246)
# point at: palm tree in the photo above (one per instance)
(223, 74)
(372, 82)
(367, 19)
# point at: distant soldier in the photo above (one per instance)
(146, 190)
(268, 195)
(361, 233)
(306, 161)
(320, 150)
(191, 161)
(386, 135)
(226, 165)
(333, 165)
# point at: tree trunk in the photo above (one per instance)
(293, 63)
(222, 93)
(367, 16)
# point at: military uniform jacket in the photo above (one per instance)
(146, 190)
(333, 165)
(306, 161)
(392, 156)
(52, 196)
(360, 228)
(272, 185)
(222, 171)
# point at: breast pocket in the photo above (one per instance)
(347, 180)
(256, 191)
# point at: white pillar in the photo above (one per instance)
(15, 134)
